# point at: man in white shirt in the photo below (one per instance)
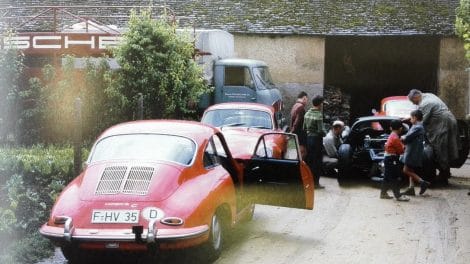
(331, 143)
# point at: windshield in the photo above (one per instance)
(238, 117)
(145, 147)
(399, 108)
(262, 75)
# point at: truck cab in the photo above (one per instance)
(245, 80)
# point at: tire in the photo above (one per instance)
(213, 247)
(429, 165)
(341, 175)
(344, 163)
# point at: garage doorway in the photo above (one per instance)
(370, 68)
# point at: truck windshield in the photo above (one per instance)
(238, 117)
(263, 76)
(145, 147)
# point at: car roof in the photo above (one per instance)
(241, 62)
(375, 118)
(395, 98)
(240, 105)
(190, 129)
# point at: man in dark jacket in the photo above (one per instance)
(297, 121)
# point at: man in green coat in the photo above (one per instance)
(313, 127)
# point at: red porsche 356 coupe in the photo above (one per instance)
(161, 184)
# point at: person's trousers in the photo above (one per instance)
(315, 156)
(392, 175)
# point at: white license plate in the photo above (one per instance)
(115, 216)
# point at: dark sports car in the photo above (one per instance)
(362, 152)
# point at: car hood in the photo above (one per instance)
(125, 181)
(242, 140)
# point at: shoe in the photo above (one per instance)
(424, 185)
(409, 191)
(319, 186)
(385, 196)
(403, 198)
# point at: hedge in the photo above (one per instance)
(30, 180)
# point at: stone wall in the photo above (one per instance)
(296, 62)
(453, 77)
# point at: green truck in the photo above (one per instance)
(232, 79)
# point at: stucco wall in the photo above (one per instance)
(453, 79)
(296, 62)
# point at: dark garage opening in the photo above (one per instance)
(371, 68)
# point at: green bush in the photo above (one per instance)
(462, 25)
(158, 63)
(31, 180)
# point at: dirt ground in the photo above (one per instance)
(352, 225)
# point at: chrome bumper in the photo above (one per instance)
(69, 233)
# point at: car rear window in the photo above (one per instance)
(145, 147)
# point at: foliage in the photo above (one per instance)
(11, 66)
(48, 108)
(157, 62)
(31, 180)
(462, 25)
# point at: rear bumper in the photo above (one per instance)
(69, 233)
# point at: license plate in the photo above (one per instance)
(115, 216)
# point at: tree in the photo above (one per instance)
(462, 25)
(11, 67)
(157, 62)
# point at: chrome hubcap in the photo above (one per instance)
(216, 232)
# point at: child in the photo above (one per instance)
(393, 149)
(414, 152)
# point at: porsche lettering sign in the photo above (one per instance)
(62, 43)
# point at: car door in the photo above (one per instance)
(276, 175)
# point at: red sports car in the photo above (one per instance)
(161, 184)
(242, 124)
(397, 106)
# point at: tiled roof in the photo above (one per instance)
(320, 17)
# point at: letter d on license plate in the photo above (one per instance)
(115, 216)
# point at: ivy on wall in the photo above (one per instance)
(462, 25)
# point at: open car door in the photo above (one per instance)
(276, 175)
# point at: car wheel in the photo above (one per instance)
(429, 165)
(342, 175)
(213, 247)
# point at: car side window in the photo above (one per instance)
(210, 155)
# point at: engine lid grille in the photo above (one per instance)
(134, 180)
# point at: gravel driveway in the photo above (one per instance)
(352, 225)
